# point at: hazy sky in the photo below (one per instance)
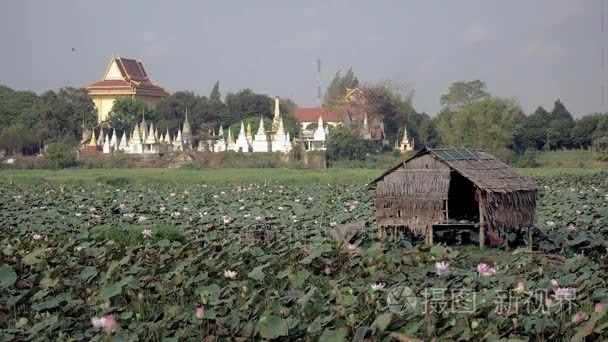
(534, 51)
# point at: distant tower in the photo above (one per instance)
(319, 81)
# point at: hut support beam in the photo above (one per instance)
(482, 231)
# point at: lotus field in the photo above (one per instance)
(256, 261)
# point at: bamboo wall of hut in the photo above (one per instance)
(416, 193)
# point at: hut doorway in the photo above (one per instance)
(461, 204)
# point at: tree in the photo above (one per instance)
(61, 154)
(427, 134)
(383, 103)
(172, 111)
(560, 127)
(215, 95)
(245, 104)
(14, 105)
(489, 124)
(464, 93)
(60, 115)
(128, 112)
(582, 133)
(346, 144)
(532, 133)
(291, 124)
(15, 139)
(337, 87)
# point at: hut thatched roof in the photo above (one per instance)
(484, 170)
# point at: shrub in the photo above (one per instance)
(528, 159)
(60, 154)
(346, 144)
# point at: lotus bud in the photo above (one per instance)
(553, 283)
(327, 270)
(521, 287)
(599, 307)
(200, 312)
(140, 296)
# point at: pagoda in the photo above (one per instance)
(123, 78)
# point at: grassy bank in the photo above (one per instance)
(211, 176)
(179, 176)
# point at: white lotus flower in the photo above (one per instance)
(230, 274)
(378, 286)
(147, 233)
(36, 236)
(442, 268)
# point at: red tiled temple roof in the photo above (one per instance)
(134, 77)
(334, 115)
(312, 115)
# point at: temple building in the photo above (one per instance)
(123, 78)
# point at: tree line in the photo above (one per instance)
(29, 121)
(470, 116)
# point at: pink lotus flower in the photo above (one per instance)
(108, 304)
(599, 307)
(147, 233)
(108, 322)
(200, 312)
(36, 236)
(485, 270)
(578, 317)
(327, 270)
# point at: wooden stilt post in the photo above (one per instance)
(430, 233)
(482, 230)
(530, 239)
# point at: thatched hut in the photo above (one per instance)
(454, 187)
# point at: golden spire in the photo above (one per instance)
(249, 132)
(93, 141)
